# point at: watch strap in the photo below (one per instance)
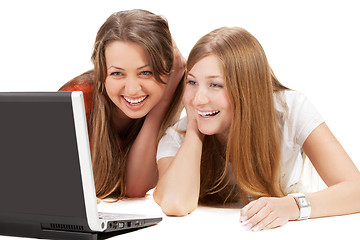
(303, 204)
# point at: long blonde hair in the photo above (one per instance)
(109, 159)
(252, 151)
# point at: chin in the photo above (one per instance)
(133, 115)
(207, 132)
(137, 116)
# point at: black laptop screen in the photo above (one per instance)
(39, 165)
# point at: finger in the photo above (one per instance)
(188, 111)
(178, 57)
(174, 43)
(176, 49)
(248, 206)
(264, 222)
(259, 220)
(252, 209)
(244, 211)
(277, 222)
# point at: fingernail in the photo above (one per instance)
(248, 226)
(255, 229)
(243, 219)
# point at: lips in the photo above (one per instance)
(208, 113)
(135, 101)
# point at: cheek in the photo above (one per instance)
(153, 86)
(224, 101)
(109, 86)
(109, 92)
(157, 91)
(188, 96)
(187, 99)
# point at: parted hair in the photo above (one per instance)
(249, 163)
(109, 157)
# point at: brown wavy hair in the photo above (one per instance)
(109, 159)
(249, 164)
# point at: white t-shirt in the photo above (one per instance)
(300, 118)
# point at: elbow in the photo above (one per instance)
(176, 207)
(177, 210)
(137, 191)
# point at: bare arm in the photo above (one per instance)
(177, 192)
(141, 169)
(338, 172)
(336, 169)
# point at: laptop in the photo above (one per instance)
(46, 179)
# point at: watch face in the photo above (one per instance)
(303, 201)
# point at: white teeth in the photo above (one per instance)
(208, 114)
(135, 101)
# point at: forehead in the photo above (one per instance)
(122, 51)
(207, 66)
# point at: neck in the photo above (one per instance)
(222, 138)
(120, 121)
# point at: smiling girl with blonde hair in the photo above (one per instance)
(243, 139)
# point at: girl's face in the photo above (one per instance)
(206, 97)
(130, 83)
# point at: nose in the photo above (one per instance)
(132, 86)
(201, 97)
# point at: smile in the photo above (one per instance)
(208, 114)
(135, 101)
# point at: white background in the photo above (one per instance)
(312, 45)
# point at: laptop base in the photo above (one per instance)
(34, 230)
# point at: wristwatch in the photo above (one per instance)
(303, 204)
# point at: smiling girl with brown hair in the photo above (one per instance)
(131, 97)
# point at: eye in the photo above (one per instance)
(216, 85)
(191, 82)
(116, 74)
(146, 73)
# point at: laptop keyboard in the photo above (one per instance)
(114, 216)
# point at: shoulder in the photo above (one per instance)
(290, 97)
(176, 132)
(293, 97)
(298, 113)
(83, 82)
(181, 124)
(172, 139)
(298, 103)
(292, 102)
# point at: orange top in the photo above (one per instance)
(84, 83)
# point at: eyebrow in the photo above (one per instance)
(208, 77)
(146, 65)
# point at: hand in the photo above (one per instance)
(177, 71)
(269, 212)
(172, 81)
(192, 122)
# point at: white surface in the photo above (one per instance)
(223, 223)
